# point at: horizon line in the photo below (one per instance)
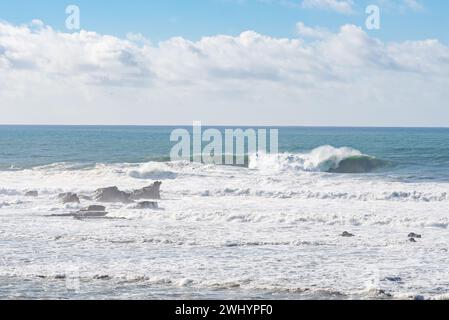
(225, 126)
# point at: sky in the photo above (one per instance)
(225, 62)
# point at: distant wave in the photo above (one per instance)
(322, 159)
(153, 170)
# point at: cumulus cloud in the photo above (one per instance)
(342, 78)
(311, 32)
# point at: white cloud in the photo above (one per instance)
(341, 6)
(311, 32)
(342, 78)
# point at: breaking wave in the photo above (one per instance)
(153, 170)
(322, 159)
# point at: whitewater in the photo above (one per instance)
(272, 229)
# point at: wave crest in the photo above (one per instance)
(322, 159)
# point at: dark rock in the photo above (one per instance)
(412, 240)
(147, 205)
(394, 279)
(150, 192)
(31, 194)
(384, 293)
(102, 277)
(94, 211)
(112, 194)
(347, 234)
(96, 208)
(69, 198)
(414, 235)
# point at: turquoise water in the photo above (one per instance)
(407, 153)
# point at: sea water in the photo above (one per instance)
(269, 229)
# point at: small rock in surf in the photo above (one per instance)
(147, 205)
(31, 194)
(347, 234)
(92, 212)
(96, 208)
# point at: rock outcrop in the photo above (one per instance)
(69, 198)
(111, 194)
(150, 192)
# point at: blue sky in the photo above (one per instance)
(225, 62)
(162, 19)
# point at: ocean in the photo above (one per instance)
(271, 229)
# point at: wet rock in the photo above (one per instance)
(31, 194)
(96, 208)
(150, 192)
(412, 240)
(347, 234)
(394, 279)
(69, 198)
(111, 194)
(147, 205)
(102, 277)
(414, 236)
(93, 211)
